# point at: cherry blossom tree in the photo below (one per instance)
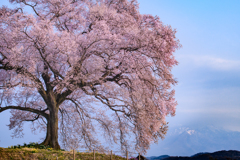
(79, 68)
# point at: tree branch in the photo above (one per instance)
(35, 118)
(39, 112)
(61, 97)
(33, 7)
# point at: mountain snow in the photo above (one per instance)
(190, 132)
(187, 141)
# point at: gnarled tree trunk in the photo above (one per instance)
(52, 131)
(52, 120)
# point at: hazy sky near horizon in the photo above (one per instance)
(208, 74)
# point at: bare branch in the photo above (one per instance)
(32, 120)
(39, 112)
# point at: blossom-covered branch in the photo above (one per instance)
(76, 68)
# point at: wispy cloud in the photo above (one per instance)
(215, 111)
(211, 62)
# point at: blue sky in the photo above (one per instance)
(208, 90)
(208, 74)
(209, 62)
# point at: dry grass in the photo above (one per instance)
(48, 154)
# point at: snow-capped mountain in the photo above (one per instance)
(186, 141)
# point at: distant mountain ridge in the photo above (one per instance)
(158, 158)
(219, 155)
(186, 141)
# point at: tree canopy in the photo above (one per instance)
(79, 68)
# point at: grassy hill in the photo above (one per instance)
(49, 154)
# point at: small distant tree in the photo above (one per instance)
(78, 68)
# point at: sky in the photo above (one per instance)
(208, 74)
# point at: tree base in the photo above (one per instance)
(55, 146)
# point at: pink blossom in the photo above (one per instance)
(96, 63)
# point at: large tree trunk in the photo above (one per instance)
(52, 122)
(52, 130)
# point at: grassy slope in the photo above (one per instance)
(46, 154)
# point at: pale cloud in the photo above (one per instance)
(215, 111)
(211, 62)
(225, 118)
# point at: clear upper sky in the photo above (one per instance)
(208, 92)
